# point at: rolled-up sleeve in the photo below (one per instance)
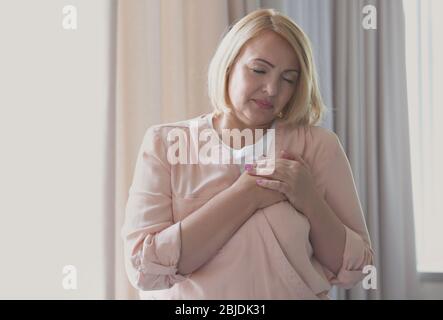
(152, 241)
(341, 195)
(356, 256)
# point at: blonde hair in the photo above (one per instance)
(305, 106)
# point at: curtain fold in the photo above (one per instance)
(362, 76)
(371, 119)
(163, 51)
(316, 19)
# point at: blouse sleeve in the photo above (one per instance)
(151, 239)
(341, 195)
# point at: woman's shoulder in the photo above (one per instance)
(322, 145)
(162, 130)
(157, 138)
(312, 136)
(316, 144)
(321, 136)
(182, 123)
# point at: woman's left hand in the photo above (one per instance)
(290, 175)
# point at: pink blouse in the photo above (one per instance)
(270, 256)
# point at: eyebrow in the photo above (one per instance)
(270, 64)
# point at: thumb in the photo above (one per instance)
(295, 157)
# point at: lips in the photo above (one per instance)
(264, 104)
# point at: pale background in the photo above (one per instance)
(74, 106)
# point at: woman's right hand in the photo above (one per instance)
(261, 197)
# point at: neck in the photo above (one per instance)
(230, 121)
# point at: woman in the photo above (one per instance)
(287, 225)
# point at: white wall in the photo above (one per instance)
(53, 99)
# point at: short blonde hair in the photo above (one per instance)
(306, 105)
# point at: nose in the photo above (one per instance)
(271, 87)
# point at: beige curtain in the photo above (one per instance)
(163, 52)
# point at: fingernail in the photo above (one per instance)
(259, 181)
(248, 167)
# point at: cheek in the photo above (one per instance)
(287, 94)
(241, 87)
(250, 83)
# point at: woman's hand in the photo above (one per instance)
(261, 197)
(289, 175)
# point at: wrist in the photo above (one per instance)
(312, 204)
(245, 194)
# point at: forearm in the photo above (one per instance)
(327, 234)
(207, 229)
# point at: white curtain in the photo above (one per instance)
(372, 120)
(363, 81)
(425, 76)
(316, 19)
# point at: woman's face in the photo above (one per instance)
(263, 79)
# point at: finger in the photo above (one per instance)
(280, 173)
(260, 170)
(271, 168)
(295, 157)
(271, 184)
(263, 162)
(261, 167)
(286, 155)
(269, 165)
(300, 159)
(269, 161)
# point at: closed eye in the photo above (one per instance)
(259, 71)
(263, 72)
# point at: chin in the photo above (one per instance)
(260, 119)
